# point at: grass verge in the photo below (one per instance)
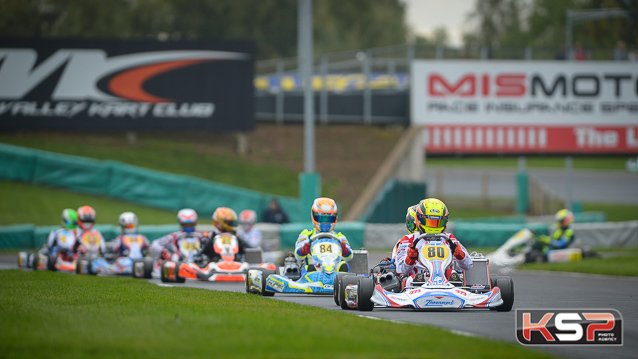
(626, 265)
(579, 162)
(40, 205)
(47, 314)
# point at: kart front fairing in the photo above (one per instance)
(437, 292)
(225, 271)
(121, 265)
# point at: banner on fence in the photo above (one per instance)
(125, 85)
(526, 107)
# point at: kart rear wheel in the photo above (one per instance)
(335, 288)
(364, 295)
(264, 276)
(345, 281)
(506, 285)
(51, 260)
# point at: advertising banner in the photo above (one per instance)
(526, 106)
(125, 85)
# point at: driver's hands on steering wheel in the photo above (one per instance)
(413, 254)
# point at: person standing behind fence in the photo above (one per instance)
(620, 52)
(274, 213)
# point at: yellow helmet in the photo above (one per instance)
(432, 216)
(410, 219)
(564, 218)
(225, 219)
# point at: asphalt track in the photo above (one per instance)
(533, 290)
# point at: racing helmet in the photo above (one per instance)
(128, 222)
(564, 218)
(86, 217)
(432, 216)
(247, 219)
(324, 214)
(187, 219)
(69, 218)
(225, 219)
(411, 220)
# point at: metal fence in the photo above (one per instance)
(369, 86)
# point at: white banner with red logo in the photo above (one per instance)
(526, 106)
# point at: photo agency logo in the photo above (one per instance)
(569, 327)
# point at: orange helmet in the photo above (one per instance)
(324, 214)
(432, 215)
(225, 219)
(247, 219)
(86, 217)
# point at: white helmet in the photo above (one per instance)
(128, 222)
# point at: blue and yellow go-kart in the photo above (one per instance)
(325, 249)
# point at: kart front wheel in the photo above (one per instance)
(506, 285)
(264, 278)
(364, 294)
(167, 271)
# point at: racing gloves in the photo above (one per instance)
(344, 249)
(413, 254)
(456, 250)
(546, 240)
(166, 254)
(305, 249)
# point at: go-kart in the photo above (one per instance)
(63, 261)
(325, 249)
(135, 263)
(197, 267)
(473, 288)
(520, 248)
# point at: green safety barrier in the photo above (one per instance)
(354, 231)
(134, 184)
(491, 234)
(392, 202)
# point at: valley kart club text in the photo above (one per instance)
(70, 109)
(473, 93)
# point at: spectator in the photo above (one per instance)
(633, 55)
(620, 52)
(579, 52)
(274, 213)
(561, 54)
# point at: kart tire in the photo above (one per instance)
(365, 291)
(79, 264)
(179, 278)
(345, 281)
(506, 285)
(33, 261)
(163, 276)
(148, 268)
(264, 276)
(335, 291)
(246, 283)
(51, 260)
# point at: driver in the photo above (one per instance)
(432, 217)
(130, 241)
(562, 237)
(62, 240)
(324, 216)
(89, 238)
(168, 246)
(224, 221)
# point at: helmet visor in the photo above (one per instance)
(433, 221)
(324, 218)
(188, 225)
(128, 225)
(232, 223)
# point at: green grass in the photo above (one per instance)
(614, 212)
(175, 154)
(47, 314)
(617, 265)
(579, 162)
(24, 203)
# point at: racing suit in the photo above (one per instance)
(302, 250)
(209, 252)
(561, 238)
(168, 246)
(134, 245)
(62, 241)
(404, 268)
(90, 241)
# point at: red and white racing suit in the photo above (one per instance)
(167, 247)
(402, 252)
(127, 244)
